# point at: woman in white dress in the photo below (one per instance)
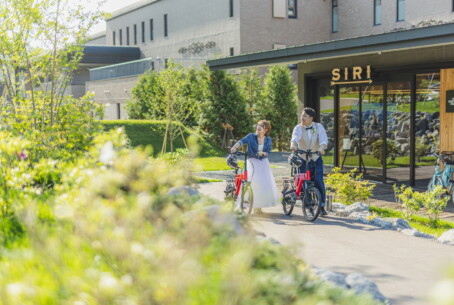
(259, 170)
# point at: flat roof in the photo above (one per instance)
(130, 8)
(109, 54)
(392, 41)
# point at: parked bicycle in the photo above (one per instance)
(301, 187)
(239, 183)
(443, 175)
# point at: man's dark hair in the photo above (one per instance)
(310, 112)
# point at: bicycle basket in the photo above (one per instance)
(448, 159)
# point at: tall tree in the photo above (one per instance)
(223, 105)
(279, 104)
(250, 85)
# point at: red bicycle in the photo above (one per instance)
(239, 183)
(301, 187)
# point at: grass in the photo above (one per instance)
(421, 223)
(212, 164)
(206, 180)
(151, 133)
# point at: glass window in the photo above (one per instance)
(151, 29)
(400, 10)
(165, 25)
(231, 8)
(135, 33)
(335, 17)
(377, 12)
(427, 125)
(292, 9)
(127, 35)
(143, 31)
(121, 37)
(113, 38)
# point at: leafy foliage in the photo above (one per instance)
(250, 86)
(348, 187)
(433, 201)
(391, 150)
(279, 104)
(224, 105)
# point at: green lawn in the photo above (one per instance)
(420, 223)
(151, 133)
(212, 164)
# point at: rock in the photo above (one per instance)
(356, 215)
(357, 207)
(219, 218)
(330, 276)
(414, 232)
(447, 237)
(183, 190)
(399, 223)
(362, 284)
(382, 223)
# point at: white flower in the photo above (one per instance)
(107, 153)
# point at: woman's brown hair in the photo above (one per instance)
(266, 125)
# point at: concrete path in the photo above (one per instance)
(403, 267)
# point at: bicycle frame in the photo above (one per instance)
(445, 175)
(241, 179)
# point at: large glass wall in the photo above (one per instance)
(348, 132)
(398, 132)
(427, 125)
(326, 102)
(372, 131)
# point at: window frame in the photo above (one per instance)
(127, 36)
(113, 38)
(121, 37)
(151, 30)
(295, 8)
(334, 8)
(230, 8)
(375, 12)
(398, 7)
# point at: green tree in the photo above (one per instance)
(250, 85)
(146, 102)
(41, 44)
(279, 104)
(223, 105)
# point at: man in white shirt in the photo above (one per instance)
(310, 135)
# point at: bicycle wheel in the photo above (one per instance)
(288, 199)
(247, 199)
(311, 203)
(436, 180)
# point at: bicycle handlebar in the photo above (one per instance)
(307, 152)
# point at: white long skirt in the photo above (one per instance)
(262, 182)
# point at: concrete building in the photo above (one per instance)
(383, 86)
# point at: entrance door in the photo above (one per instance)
(360, 134)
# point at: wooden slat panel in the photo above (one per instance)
(446, 119)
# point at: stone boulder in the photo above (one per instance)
(447, 237)
(362, 284)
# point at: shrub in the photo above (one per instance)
(433, 201)
(348, 187)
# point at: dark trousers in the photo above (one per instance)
(316, 167)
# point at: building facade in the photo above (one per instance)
(385, 99)
(192, 32)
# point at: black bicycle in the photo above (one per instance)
(301, 187)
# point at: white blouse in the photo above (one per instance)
(261, 148)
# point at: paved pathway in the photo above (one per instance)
(403, 267)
